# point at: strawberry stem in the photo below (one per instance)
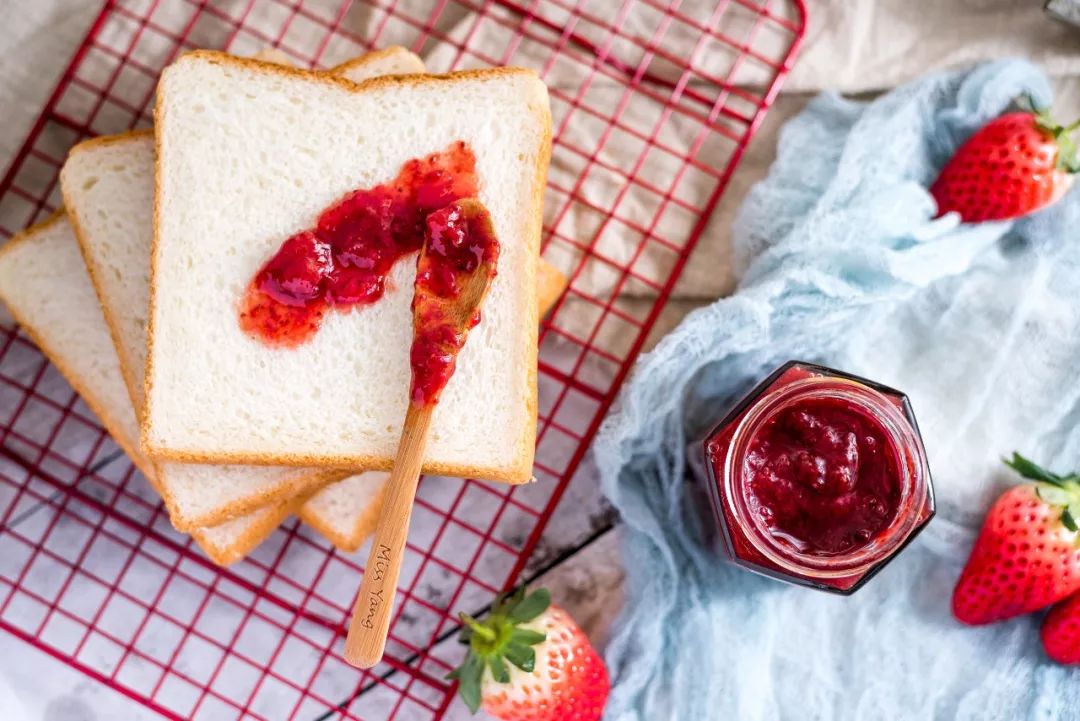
(498, 638)
(478, 628)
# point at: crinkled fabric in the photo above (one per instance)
(843, 263)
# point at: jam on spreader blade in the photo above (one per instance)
(453, 274)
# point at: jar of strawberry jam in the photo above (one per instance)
(817, 477)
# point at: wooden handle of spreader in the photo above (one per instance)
(375, 602)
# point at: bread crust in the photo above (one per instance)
(222, 555)
(375, 55)
(362, 529)
(528, 452)
(516, 472)
(286, 490)
(126, 370)
(115, 138)
(246, 543)
(355, 463)
(330, 78)
(550, 284)
(33, 229)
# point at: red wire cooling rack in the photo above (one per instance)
(90, 570)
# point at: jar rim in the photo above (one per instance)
(903, 439)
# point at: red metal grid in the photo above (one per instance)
(91, 571)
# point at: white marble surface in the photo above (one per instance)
(37, 687)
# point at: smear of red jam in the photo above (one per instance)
(823, 476)
(460, 239)
(343, 261)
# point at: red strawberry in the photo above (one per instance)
(1013, 166)
(1027, 555)
(1061, 631)
(554, 673)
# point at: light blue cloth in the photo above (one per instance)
(843, 264)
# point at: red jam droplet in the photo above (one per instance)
(823, 476)
(460, 242)
(344, 260)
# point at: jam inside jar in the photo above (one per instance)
(818, 477)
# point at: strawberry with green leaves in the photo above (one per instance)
(1027, 555)
(1061, 631)
(529, 661)
(1014, 165)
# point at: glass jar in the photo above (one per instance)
(817, 477)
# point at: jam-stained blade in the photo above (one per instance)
(453, 274)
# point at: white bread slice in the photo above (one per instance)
(346, 512)
(391, 60)
(46, 287)
(108, 190)
(250, 153)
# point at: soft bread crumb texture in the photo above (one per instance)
(250, 154)
(108, 189)
(346, 512)
(45, 284)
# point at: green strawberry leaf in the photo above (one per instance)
(524, 657)
(1032, 471)
(498, 640)
(527, 636)
(511, 602)
(532, 606)
(1073, 512)
(1069, 516)
(469, 679)
(498, 669)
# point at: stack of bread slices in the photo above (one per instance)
(132, 289)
